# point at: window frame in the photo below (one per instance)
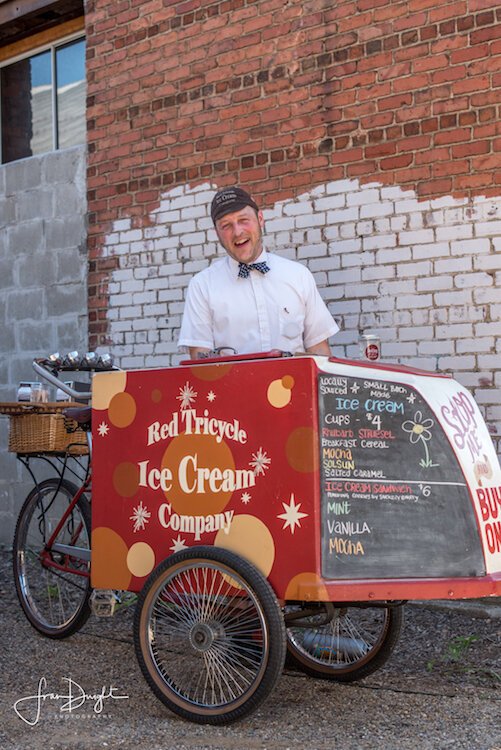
(36, 50)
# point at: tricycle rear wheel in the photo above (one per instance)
(355, 643)
(209, 635)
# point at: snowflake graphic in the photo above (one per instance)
(187, 395)
(178, 544)
(245, 498)
(292, 516)
(260, 462)
(140, 517)
(103, 429)
(211, 396)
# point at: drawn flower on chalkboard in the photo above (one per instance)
(419, 430)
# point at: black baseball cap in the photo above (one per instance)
(228, 200)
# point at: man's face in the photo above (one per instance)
(240, 233)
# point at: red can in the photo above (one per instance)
(370, 347)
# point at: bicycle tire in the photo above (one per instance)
(209, 635)
(357, 642)
(55, 602)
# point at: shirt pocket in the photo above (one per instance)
(291, 331)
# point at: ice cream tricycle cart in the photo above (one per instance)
(261, 505)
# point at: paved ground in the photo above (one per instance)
(441, 689)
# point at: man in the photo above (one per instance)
(251, 300)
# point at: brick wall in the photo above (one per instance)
(367, 129)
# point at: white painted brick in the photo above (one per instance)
(346, 307)
(343, 215)
(458, 331)
(470, 247)
(398, 223)
(487, 228)
(197, 238)
(378, 242)
(312, 251)
(144, 298)
(132, 285)
(181, 227)
(488, 329)
(435, 250)
(417, 333)
(415, 269)
(363, 197)
(378, 272)
(378, 304)
(486, 295)
(434, 283)
(310, 220)
(320, 278)
(193, 212)
(168, 217)
(420, 237)
(465, 312)
(170, 269)
(399, 286)
(393, 255)
(456, 363)
(453, 265)
(348, 230)
(345, 246)
(398, 349)
(473, 345)
(280, 225)
(472, 280)
(295, 209)
(407, 206)
(341, 186)
(330, 203)
(382, 226)
(449, 299)
(410, 301)
(402, 318)
(131, 235)
(364, 228)
(436, 347)
(166, 243)
(373, 210)
(352, 275)
(314, 236)
(121, 225)
(152, 311)
(181, 279)
(348, 260)
(450, 234)
(491, 262)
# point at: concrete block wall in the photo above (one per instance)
(43, 284)
(422, 274)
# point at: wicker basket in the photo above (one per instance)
(40, 431)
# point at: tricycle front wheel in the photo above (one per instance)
(357, 641)
(209, 635)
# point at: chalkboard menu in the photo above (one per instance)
(394, 500)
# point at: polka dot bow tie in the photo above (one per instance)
(244, 269)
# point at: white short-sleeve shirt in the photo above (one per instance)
(281, 309)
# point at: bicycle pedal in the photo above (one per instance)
(103, 602)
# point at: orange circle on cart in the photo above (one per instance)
(307, 586)
(109, 560)
(140, 559)
(122, 410)
(126, 479)
(203, 475)
(301, 450)
(249, 537)
(156, 395)
(210, 372)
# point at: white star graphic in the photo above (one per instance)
(103, 429)
(260, 462)
(140, 517)
(292, 515)
(355, 388)
(211, 396)
(187, 395)
(411, 398)
(245, 498)
(178, 544)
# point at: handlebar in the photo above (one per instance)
(49, 371)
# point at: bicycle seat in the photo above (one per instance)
(82, 415)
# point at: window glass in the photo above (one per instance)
(30, 102)
(27, 107)
(70, 77)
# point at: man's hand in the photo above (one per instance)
(198, 353)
